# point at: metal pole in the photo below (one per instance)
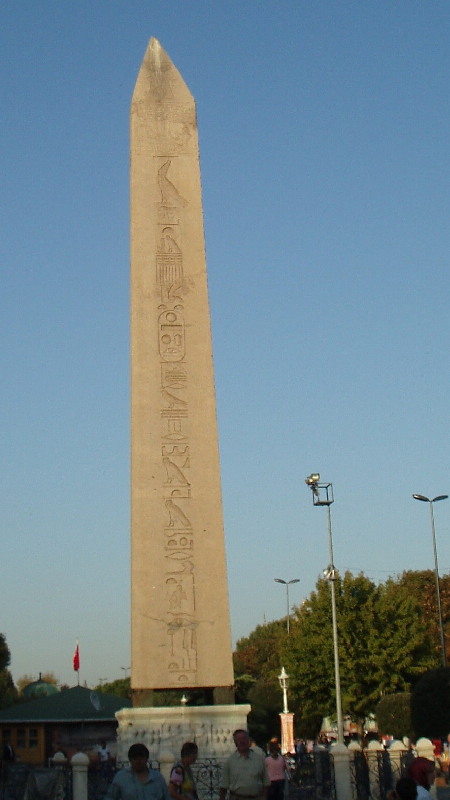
(287, 584)
(429, 500)
(285, 704)
(337, 677)
(287, 600)
(438, 591)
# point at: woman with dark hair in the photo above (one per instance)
(181, 781)
(421, 770)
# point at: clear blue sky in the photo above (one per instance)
(324, 138)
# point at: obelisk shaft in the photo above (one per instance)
(180, 613)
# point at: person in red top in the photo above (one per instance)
(276, 770)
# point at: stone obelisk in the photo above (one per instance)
(180, 630)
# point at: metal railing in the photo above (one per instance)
(313, 777)
(373, 775)
(207, 777)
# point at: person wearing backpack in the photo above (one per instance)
(181, 781)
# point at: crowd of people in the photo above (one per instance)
(249, 773)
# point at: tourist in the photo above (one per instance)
(104, 757)
(181, 781)
(244, 773)
(421, 770)
(139, 782)
(276, 770)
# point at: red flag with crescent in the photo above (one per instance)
(76, 659)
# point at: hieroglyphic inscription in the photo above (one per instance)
(180, 618)
(170, 130)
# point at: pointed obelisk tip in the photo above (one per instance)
(155, 52)
(159, 76)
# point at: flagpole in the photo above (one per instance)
(76, 661)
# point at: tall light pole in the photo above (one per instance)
(287, 584)
(286, 718)
(436, 569)
(323, 496)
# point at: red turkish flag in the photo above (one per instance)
(76, 659)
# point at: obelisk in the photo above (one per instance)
(180, 629)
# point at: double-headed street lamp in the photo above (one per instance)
(287, 584)
(323, 496)
(436, 569)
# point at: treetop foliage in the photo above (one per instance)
(8, 691)
(387, 638)
(430, 704)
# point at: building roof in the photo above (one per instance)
(70, 705)
(39, 688)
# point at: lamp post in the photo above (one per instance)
(323, 496)
(287, 584)
(436, 569)
(286, 718)
(283, 677)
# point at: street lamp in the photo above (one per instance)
(286, 718)
(283, 677)
(323, 496)
(436, 569)
(287, 585)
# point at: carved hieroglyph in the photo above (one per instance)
(180, 614)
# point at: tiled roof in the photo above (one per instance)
(70, 705)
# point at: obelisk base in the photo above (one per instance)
(165, 730)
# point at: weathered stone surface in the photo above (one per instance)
(164, 730)
(180, 614)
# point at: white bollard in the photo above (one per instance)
(79, 763)
(425, 748)
(373, 749)
(341, 759)
(396, 753)
(59, 760)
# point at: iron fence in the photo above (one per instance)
(373, 775)
(207, 778)
(313, 777)
(24, 782)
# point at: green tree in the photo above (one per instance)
(8, 691)
(393, 715)
(120, 687)
(430, 704)
(383, 646)
(309, 656)
(422, 584)
(405, 649)
(5, 655)
(257, 663)
(357, 636)
(386, 641)
(264, 718)
(260, 651)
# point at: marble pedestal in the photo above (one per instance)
(287, 733)
(164, 731)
